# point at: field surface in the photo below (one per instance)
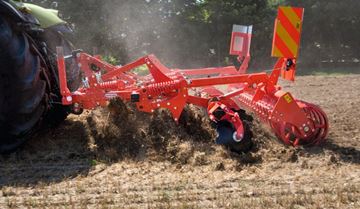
(118, 158)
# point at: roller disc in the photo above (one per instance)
(320, 123)
(290, 134)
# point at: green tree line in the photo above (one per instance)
(196, 33)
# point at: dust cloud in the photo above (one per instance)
(145, 27)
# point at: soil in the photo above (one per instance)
(119, 158)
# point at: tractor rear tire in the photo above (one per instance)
(25, 89)
(22, 88)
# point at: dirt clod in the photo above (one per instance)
(333, 159)
(219, 167)
(293, 156)
(199, 159)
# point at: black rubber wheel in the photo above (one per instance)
(22, 85)
(29, 93)
(225, 132)
(53, 38)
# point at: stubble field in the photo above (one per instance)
(118, 158)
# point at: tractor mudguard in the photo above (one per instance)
(46, 17)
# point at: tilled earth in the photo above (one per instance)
(119, 158)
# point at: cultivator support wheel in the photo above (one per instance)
(227, 137)
(231, 130)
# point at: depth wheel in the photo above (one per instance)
(226, 131)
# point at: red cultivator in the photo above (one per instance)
(222, 91)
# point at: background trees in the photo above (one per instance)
(193, 33)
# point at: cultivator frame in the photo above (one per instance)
(294, 122)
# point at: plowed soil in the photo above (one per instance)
(119, 158)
